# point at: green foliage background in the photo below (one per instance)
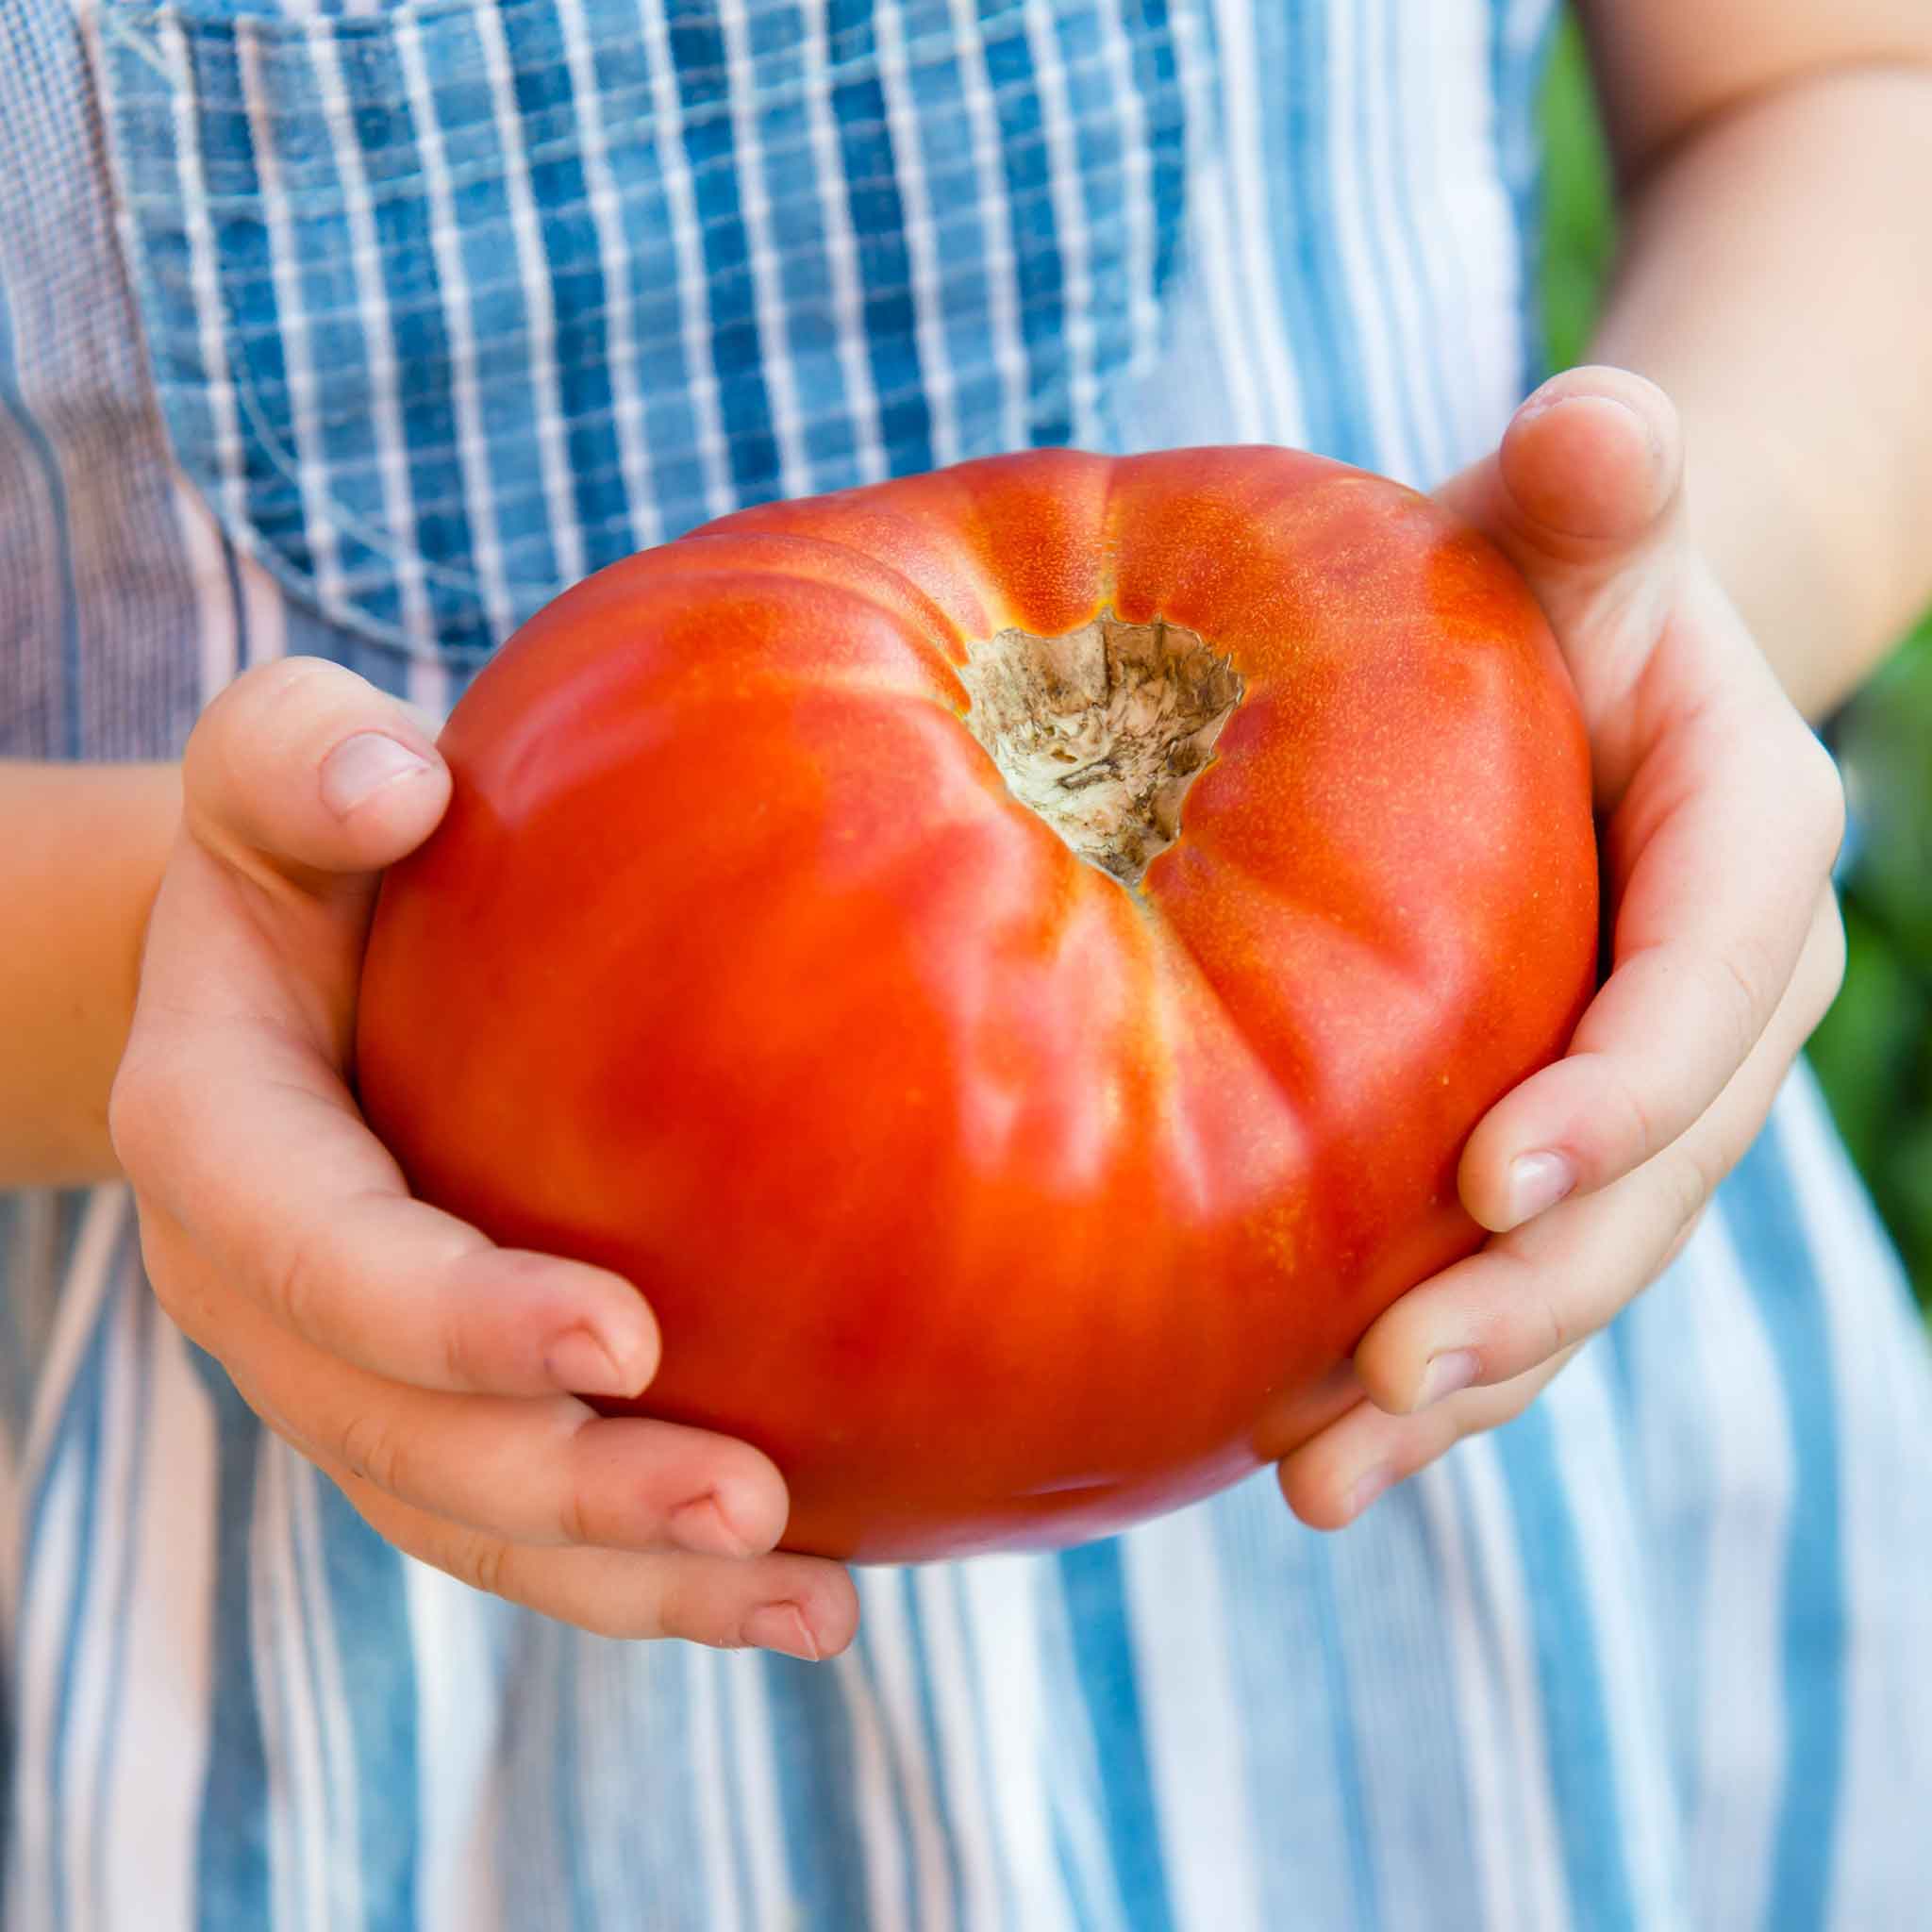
(1873, 1053)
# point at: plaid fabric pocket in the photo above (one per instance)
(451, 304)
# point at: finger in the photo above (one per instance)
(1533, 1294)
(247, 1138)
(804, 1607)
(1586, 482)
(1715, 912)
(541, 1471)
(303, 767)
(1332, 1478)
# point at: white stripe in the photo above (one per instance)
(1400, 277)
(1364, 321)
(217, 622)
(874, 1811)
(1616, 1570)
(540, 310)
(1001, 1604)
(995, 212)
(397, 540)
(330, 1704)
(1191, 1712)
(168, 1671)
(888, 1639)
(304, 462)
(1741, 1530)
(1069, 220)
(103, 1564)
(1137, 176)
(713, 1797)
(693, 281)
(1882, 1394)
(956, 1719)
(842, 249)
(1535, 1846)
(927, 273)
(45, 1611)
(749, 169)
(1480, 1717)
(205, 277)
(90, 1277)
(458, 1709)
(757, 1786)
(1467, 226)
(446, 232)
(614, 257)
(298, 1782)
(1248, 276)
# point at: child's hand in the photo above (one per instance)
(1720, 816)
(420, 1367)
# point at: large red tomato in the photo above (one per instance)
(1005, 960)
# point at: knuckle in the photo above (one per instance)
(373, 1451)
(298, 1288)
(482, 1562)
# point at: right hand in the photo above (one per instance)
(424, 1370)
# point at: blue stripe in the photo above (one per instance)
(1026, 165)
(1293, 43)
(929, 1737)
(1412, 457)
(100, 1838)
(547, 100)
(885, 264)
(812, 1744)
(697, 49)
(47, 461)
(664, 374)
(1347, 1740)
(565, 1769)
(1761, 1217)
(414, 297)
(823, 413)
(231, 1858)
(367, 1621)
(1096, 1586)
(1576, 1721)
(80, 1436)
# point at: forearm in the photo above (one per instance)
(1776, 281)
(79, 864)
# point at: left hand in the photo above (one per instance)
(1720, 816)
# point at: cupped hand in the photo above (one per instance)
(420, 1367)
(1720, 816)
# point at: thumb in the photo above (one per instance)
(1586, 482)
(305, 768)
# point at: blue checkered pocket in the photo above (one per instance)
(451, 304)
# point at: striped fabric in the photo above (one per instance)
(358, 331)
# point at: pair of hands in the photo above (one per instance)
(427, 1371)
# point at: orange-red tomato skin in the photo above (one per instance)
(999, 1203)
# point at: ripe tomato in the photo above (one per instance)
(1005, 960)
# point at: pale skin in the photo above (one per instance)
(200, 930)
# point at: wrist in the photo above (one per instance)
(79, 875)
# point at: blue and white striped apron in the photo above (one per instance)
(360, 330)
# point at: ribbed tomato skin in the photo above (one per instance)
(1000, 1204)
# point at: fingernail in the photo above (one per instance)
(700, 1525)
(581, 1362)
(1444, 1374)
(1537, 1181)
(1368, 1488)
(779, 1627)
(360, 766)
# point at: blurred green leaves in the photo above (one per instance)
(1873, 1053)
